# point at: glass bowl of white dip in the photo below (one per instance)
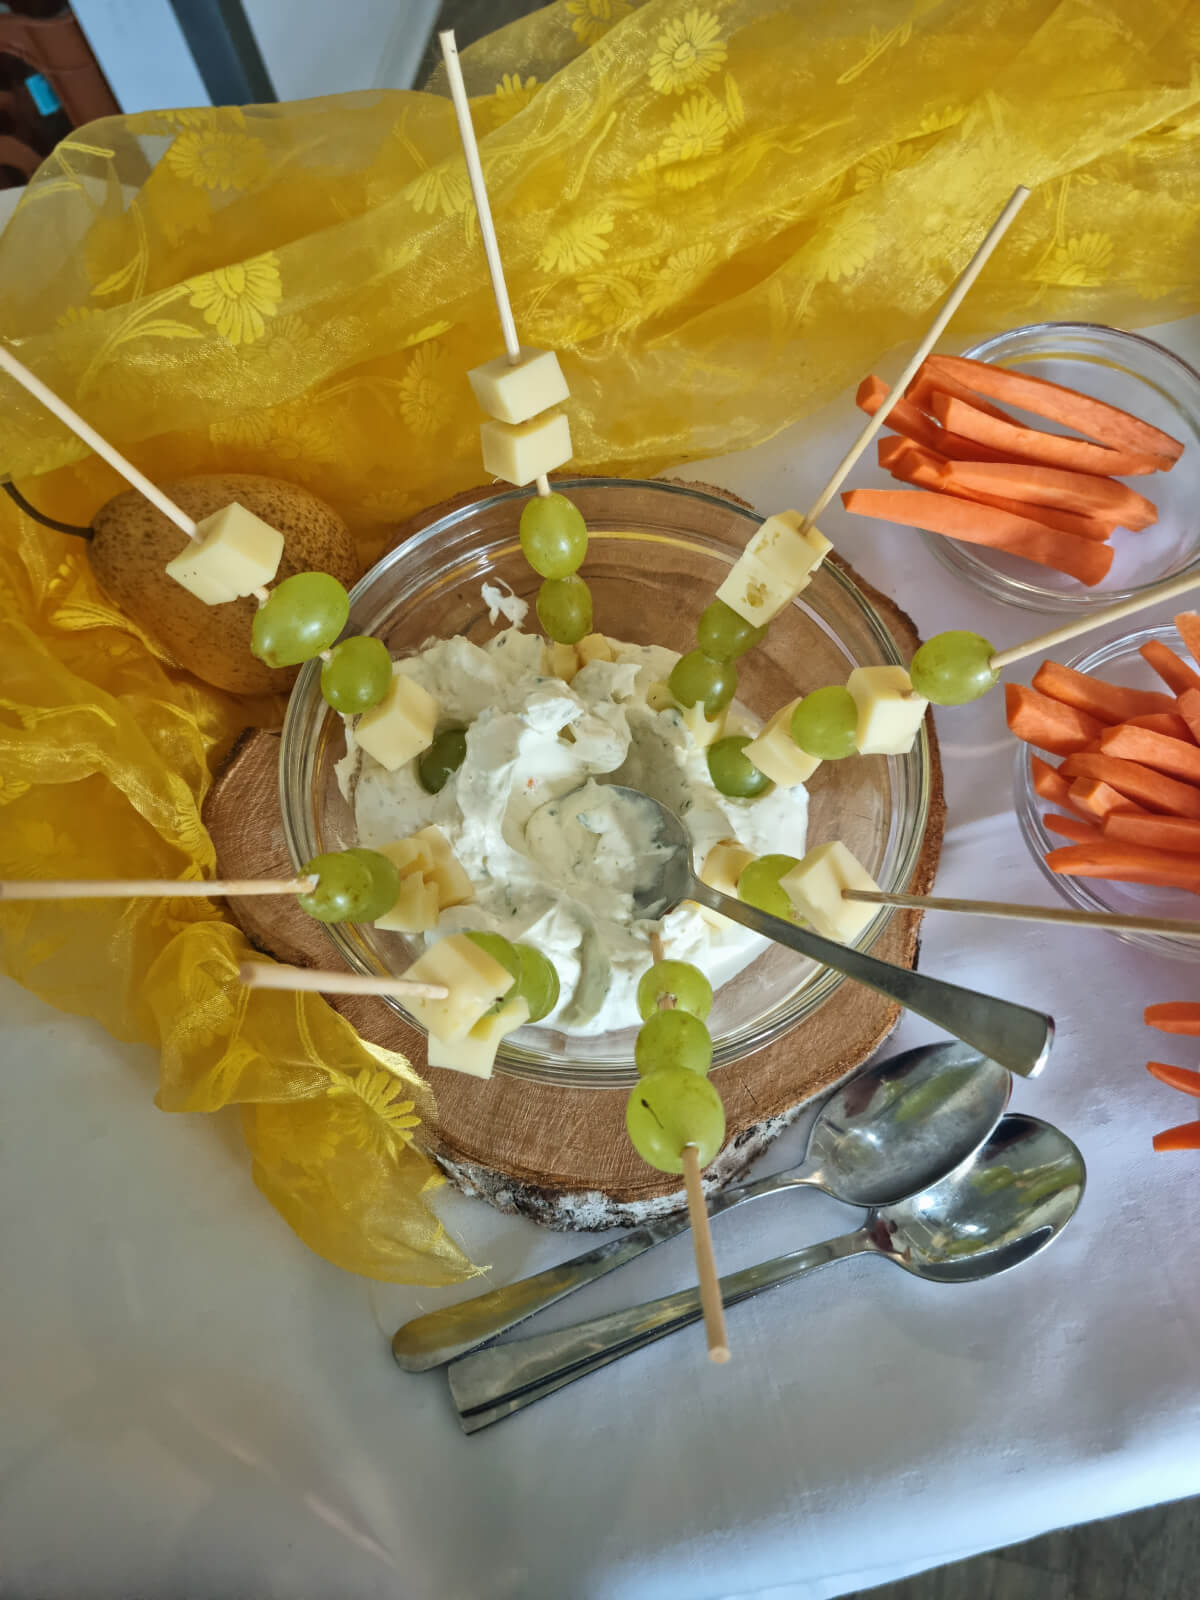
(657, 552)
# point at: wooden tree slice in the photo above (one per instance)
(558, 1155)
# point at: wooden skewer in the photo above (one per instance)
(264, 975)
(1019, 913)
(1095, 619)
(483, 208)
(84, 430)
(706, 1268)
(953, 300)
(149, 888)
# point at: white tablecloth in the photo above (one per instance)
(193, 1405)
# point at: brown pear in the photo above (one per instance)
(132, 542)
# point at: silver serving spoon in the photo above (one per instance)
(1015, 1036)
(895, 1127)
(994, 1211)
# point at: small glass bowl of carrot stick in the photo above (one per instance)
(1108, 777)
(1117, 502)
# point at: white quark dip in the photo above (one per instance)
(557, 872)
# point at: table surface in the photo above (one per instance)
(195, 1405)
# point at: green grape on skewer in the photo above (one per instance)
(671, 1108)
(759, 885)
(683, 982)
(953, 668)
(301, 616)
(564, 609)
(723, 635)
(696, 679)
(671, 1039)
(352, 886)
(437, 764)
(538, 984)
(732, 771)
(357, 674)
(553, 536)
(825, 723)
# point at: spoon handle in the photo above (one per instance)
(440, 1336)
(492, 1384)
(1015, 1036)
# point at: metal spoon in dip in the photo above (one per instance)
(895, 1127)
(1015, 1036)
(994, 1211)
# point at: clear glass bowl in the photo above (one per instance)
(657, 551)
(1119, 662)
(1143, 378)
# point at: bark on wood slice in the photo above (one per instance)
(561, 1156)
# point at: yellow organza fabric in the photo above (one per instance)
(719, 214)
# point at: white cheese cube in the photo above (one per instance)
(815, 887)
(476, 1053)
(754, 591)
(416, 908)
(400, 726)
(412, 855)
(659, 696)
(236, 554)
(475, 981)
(560, 660)
(519, 452)
(445, 872)
(594, 647)
(514, 391)
(704, 730)
(724, 865)
(890, 714)
(777, 754)
(791, 555)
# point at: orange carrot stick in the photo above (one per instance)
(929, 382)
(1097, 799)
(905, 418)
(1187, 624)
(1151, 789)
(1030, 444)
(1126, 863)
(1053, 486)
(1172, 669)
(1109, 702)
(1189, 709)
(915, 464)
(1084, 559)
(1186, 1136)
(1165, 722)
(1174, 1016)
(1172, 756)
(1048, 724)
(1183, 1078)
(1049, 782)
(1181, 834)
(1109, 424)
(1072, 828)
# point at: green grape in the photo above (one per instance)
(698, 679)
(759, 885)
(673, 1039)
(732, 771)
(502, 950)
(553, 536)
(302, 616)
(687, 983)
(725, 636)
(564, 608)
(438, 764)
(538, 982)
(953, 668)
(825, 724)
(352, 886)
(672, 1108)
(357, 675)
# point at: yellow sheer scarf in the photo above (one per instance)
(719, 214)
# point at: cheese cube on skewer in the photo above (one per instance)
(890, 713)
(446, 870)
(755, 592)
(560, 660)
(723, 866)
(411, 855)
(815, 889)
(475, 981)
(235, 554)
(432, 879)
(416, 908)
(594, 647)
(476, 1053)
(704, 730)
(401, 725)
(522, 451)
(781, 547)
(777, 754)
(514, 391)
